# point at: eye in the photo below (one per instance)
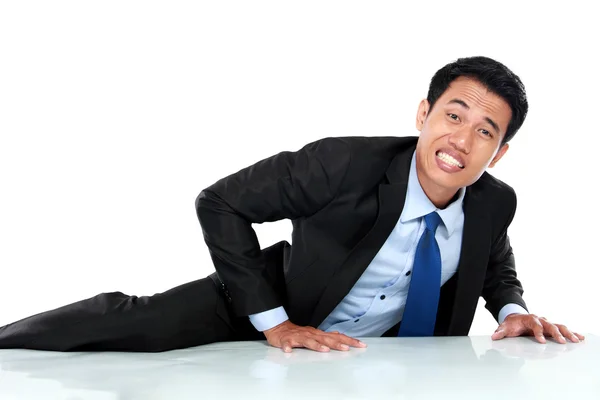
(453, 116)
(486, 132)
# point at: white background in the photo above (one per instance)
(114, 115)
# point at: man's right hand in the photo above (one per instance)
(288, 335)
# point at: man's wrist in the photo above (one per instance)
(268, 319)
(276, 327)
(510, 309)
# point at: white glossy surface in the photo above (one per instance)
(407, 368)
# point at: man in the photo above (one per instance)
(392, 236)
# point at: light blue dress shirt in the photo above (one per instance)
(376, 302)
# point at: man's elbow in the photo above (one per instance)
(201, 200)
(206, 203)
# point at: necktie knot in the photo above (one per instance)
(432, 220)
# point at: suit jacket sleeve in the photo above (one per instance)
(288, 185)
(501, 285)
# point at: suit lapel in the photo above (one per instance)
(391, 202)
(463, 291)
(391, 196)
(456, 314)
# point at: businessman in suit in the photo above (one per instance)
(392, 236)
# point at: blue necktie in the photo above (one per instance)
(424, 292)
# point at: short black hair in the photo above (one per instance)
(495, 76)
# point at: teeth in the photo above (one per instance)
(448, 159)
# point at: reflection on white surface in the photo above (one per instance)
(403, 368)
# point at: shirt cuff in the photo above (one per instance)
(268, 319)
(508, 309)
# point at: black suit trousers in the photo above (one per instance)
(188, 315)
(192, 314)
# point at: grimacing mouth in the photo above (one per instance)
(460, 161)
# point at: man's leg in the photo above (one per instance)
(188, 315)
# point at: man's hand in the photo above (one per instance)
(287, 335)
(531, 325)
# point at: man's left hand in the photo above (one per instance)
(532, 325)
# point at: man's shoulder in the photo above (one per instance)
(375, 141)
(365, 146)
(495, 191)
(490, 182)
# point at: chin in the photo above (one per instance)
(450, 182)
(449, 185)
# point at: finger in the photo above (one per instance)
(500, 333)
(286, 345)
(349, 341)
(536, 328)
(333, 342)
(568, 334)
(581, 337)
(509, 328)
(552, 330)
(352, 342)
(314, 344)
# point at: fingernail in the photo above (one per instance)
(287, 349)
(324, 348)
(575, 339)
(344, 347)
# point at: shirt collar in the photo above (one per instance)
(417, 204)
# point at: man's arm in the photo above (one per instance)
(268, 319)
(503, 294)
(502, 290)
(288, 185)
(501, 286)
(509, 309)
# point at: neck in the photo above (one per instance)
(441, 197)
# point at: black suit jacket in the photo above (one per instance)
(344, 196)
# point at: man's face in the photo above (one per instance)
(460, 137)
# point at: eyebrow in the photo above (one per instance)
(488, 119)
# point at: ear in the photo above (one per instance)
(499, 155)
(422, 114)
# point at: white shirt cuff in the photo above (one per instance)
(510, 308)
(268, 319)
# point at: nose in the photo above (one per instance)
(461, 140)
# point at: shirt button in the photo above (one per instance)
(408, 273)
(382, 297)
